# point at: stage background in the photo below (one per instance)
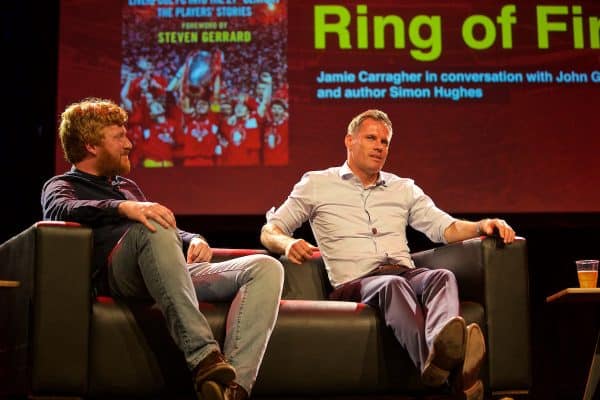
(557, 233)
(528, 146)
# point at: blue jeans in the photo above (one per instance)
(152, 265)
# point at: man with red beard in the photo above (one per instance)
(140, 254)
(275, 147)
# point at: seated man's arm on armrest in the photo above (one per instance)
(276, 241)
(461, 230)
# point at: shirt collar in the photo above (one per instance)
(112, 180)
(346, 173)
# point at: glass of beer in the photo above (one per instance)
(587, 273)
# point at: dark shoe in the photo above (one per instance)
(468, 383)
(213, 368)
(475, 392)
(211, 390)
(235, 392)
(447, 353)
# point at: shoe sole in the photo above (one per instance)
(475, 392)
(448, 352)
(474, 356)
(211, 390)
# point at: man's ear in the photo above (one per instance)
(91, 149)
(348, 140)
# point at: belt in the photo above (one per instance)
(390, 269)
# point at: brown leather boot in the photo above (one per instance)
(467, 384)
(447, 353)
(213, 368)
(211, 390)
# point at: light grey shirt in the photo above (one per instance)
(358, 229)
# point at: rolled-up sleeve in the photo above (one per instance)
(296, 209)
(427, 218)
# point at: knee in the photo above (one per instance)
(160, 235)
(267, 271)
(444, 275)
(442, 278)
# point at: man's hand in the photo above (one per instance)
(299, 250)
(277, 241)
(486, 226)
(461, 230)
(144, 211)
(199, 251)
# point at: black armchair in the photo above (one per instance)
(63, 342)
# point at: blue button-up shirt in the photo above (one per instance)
(359, 228)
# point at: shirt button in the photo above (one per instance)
(374, 230)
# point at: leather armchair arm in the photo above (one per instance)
(495, 275)
(307, 281)
(61, 308)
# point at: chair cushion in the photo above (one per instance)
(326, 347)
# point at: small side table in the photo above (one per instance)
(7, 374)
(579, 295)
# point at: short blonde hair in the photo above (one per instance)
(81, 123)
(377, 115)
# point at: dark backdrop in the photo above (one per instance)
(562, 337)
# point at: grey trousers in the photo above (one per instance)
(152, 265)
(415, 303)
